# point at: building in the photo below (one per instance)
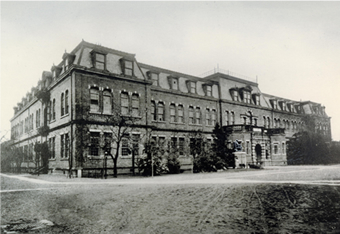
(95, 81)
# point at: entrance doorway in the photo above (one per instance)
(258, 151)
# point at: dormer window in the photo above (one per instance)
(99, 61)
(68, 60)
(274, 103)
(234, 94)
(256, 99)
(283, 106)
(127, 67)
(153, 76)
(209, 90)
(192, 87)
(56, 70)
(173, 81)
(246, 96)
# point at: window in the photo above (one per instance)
(127, 67)
(107, 102)
(208, 90)
(172, 113)
(213, 117)
(255, 121)
(232, 118)
(207, 117)
(67, 145)
(53, 148)
(198, 115)
(246, 97)
(135, 105)
(94, 143)
(283, 148)
(244, 120)
(173, 81)
(99, 61)
(274, 104)
(124, 102)
(264, 121)
(283, 106)
(135, 143)
(256, 98)
(268, 122)
(160, 111)
(226, 118)
(153, 110)
(62, 104)
(53, 110)
(247, 147)
(66, 102)
(125, 147)
(62, 144)
(107, 142)
(276, 148)
(181, 146)
(191, 115)
(180, 114)
(154, 78)
(173, 143)
(192, 87)
(234, 95)
(49, 112)
(94, 96)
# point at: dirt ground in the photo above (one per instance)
(174, 208)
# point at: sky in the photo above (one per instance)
(293, 48)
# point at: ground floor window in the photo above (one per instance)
(94, 143)
(276, 148)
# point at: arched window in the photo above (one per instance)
(153, 110)
(160, 111)
(198, 115)
(264, 121)
(268, 122)
(124, 102)
(232, 118)
(172, 113)
(107, 102)
(135, 105)
(180, 114)
(94, 96)
(191, 115)
(66, 102)
(62, 110)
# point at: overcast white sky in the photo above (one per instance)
(292, 47)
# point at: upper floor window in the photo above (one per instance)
(256, 98)
(191, 115)
(226, 118)
(62, 110)
(246, 97)
(180, 114)
(172, 113)
(283, 105)
(192, 87)
(213, 117)
(53, 109)
(198, 115)
(207, 117)
(107, 102)
(173, 81)
(154, 78)
(98, 60)
(274, 104)
(153, 110)
(124, 102)
(94, 102)
(127, 67)
(66, 102)
(232, 118)
(234, 95)
(209, 90)
(135, 104)
(160, 111)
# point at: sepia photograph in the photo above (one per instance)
(172, 117)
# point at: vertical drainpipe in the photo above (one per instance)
(220, 101)
(71, 110)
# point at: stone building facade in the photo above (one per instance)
(95, 81)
